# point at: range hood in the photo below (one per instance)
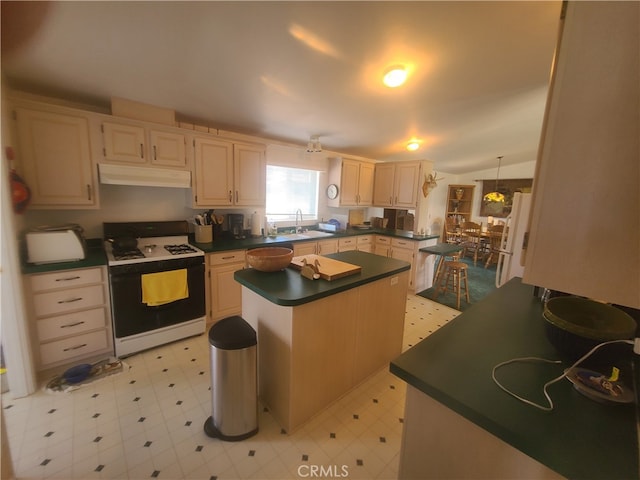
(143, 176)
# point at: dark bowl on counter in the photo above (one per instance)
(575, 325)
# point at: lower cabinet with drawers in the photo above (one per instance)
(71, 318)
(225, 294)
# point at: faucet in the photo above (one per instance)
(298, 227)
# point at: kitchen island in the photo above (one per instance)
(317, 339)
(459, 424)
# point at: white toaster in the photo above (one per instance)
(55, 244)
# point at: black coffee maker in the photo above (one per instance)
(236, 224)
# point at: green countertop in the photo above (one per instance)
(96, 256)
(288, 288)
(580, 438)
(225, 243)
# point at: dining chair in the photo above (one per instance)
(470, 239)
(451, 231)
(495, 238)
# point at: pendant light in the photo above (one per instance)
(495, 196)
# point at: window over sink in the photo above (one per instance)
(290, 189)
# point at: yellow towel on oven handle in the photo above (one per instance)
(164, 287)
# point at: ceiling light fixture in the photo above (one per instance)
(395, 76)
(413, 145)
(314, 145)
(495, 196)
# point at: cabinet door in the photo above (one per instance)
(167, 149)
(405, 254)
(214, 172)
(249, 175)
(383, 185)
(365, 184)
(304, 248)
(365, 243)
(226, 293)
(349, 183)
(587, 172)
(347, 244)
(407, 177)
(327, 246)
(124, 143)
(56, 158)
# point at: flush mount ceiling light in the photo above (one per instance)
(495, 196)
(314, 144)
(395, 76)
(413, 145)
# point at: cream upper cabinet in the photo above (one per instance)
(383, 185)
(355, 182)
(55, 153)
(407, 178)
(586, 179)
(128, 143)
(213, 172)
(229, 174)
(250, 171)
(396, 184)
(124, 143)
(167, 148)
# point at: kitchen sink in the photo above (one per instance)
(316, 234)
(306, 235)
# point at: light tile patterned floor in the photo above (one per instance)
(148, 423)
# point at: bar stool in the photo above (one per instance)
(454, 279)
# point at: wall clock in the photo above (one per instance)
(332, 191)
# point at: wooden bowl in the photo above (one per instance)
(269, 259)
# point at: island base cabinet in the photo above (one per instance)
(438, 443)
(312, 354)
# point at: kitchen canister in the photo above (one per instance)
(204, 233)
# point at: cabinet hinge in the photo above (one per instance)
(14, 114)
(104, 151)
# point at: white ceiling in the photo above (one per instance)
(477, 89)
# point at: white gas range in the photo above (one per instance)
(160, 250)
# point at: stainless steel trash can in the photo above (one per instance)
(234, 383)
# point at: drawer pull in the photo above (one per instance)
(67, 279)
(75, 348)
(71, 300)
(69, 325)
(228, 258)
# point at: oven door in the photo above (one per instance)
(131, 316)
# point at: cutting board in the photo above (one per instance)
(329, 268)
(356, 217)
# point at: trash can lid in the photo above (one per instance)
(232, 333)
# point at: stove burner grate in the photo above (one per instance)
(127, 254)
(180, 249)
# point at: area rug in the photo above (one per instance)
(99, 371)
(481, 283)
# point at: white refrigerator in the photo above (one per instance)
(511, 258)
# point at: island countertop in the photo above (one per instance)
(288, 288)
(580, 438)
